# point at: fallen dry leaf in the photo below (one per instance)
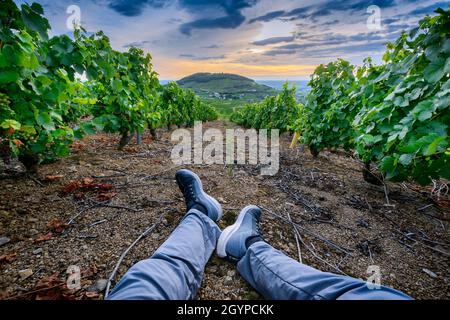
(56, 225)
(87, 181)
(7, 258)
(86, 185)
(91, 295)
(71, 187)
(106, 196)
(54, 286)
(52, 178)
(44, 237)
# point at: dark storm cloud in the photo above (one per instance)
(229, 14)
(326, 9)
(273, 40)
(329, 43)
(228, 22)
(268, 17)
(317, 49)
(132, 8)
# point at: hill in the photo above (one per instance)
(226, 86)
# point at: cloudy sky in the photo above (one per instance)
(261, 39)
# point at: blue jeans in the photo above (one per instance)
(176, 270)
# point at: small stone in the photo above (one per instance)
(21, 211)
(222, 200)
(72, 169)
(98, 286)
(231, 273)
(33, 232)
(430, 273)
(213, 269)
(228, 280)
(4, 240)
(37, 251)
(26, 273)
(32, 220)
(222, 271)
(155, 236)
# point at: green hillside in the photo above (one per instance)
(226, 87)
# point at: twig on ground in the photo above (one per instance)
(425, 207)
(313, 252)
(386, 194)
(296, 238)
(445, 253)
(87, 236)
(98, 222)
(95, 204)
(323, 260)
(148, 177)
(110, 176)
(368, 205)
(102, 204)
(72, 220)
(370, 253)
(118, 170)
(122, 256)
(319, 214)
(35, 180)
(311, 233)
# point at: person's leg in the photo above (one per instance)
(277, 276)
(175, 271)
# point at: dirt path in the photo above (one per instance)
(344, 222)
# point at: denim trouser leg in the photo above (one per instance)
(176, 269)
(276, 276)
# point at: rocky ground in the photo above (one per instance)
(85, 210)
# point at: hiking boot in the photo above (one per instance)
(191, 186)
